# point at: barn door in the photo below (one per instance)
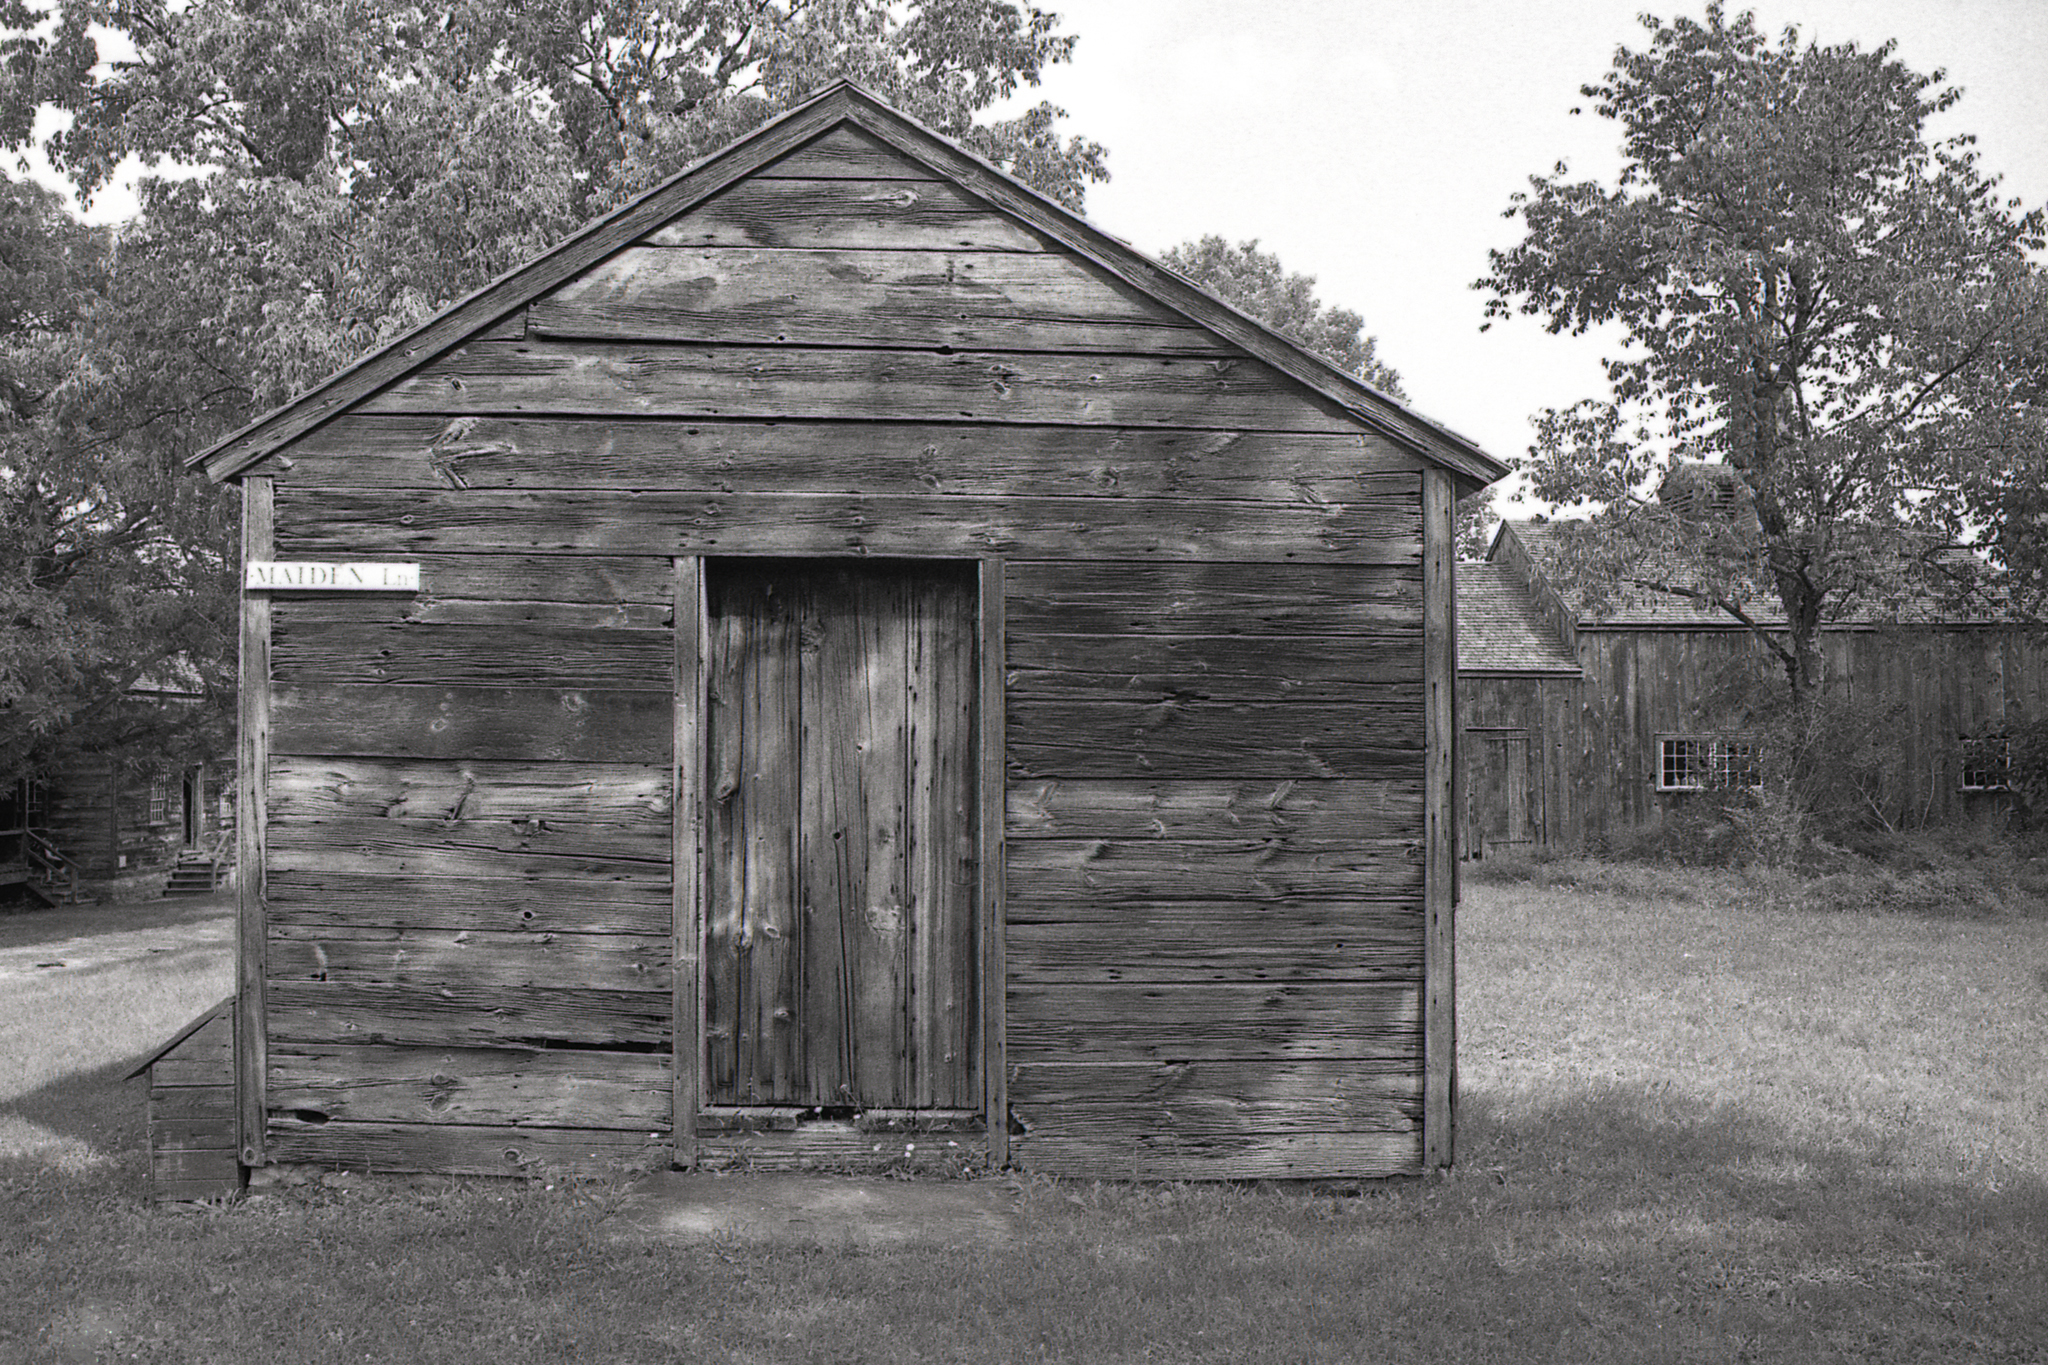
(1498, 796)
(839, 886)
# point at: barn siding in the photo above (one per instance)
(1212, 690)
(1599, 737)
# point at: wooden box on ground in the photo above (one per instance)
(889, 663)
(192, 1149)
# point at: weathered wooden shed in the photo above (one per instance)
(894, 675)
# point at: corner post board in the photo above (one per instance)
(253, 753)
(687, 779)
(990, 661)
(1439, 809)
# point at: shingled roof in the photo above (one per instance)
(1548, 546)
(1501, 629)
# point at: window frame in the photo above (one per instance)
(1712, 762)
(1969, 763)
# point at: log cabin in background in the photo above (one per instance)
(1586, 730)
(895, 676)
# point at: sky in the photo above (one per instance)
(1374, 144)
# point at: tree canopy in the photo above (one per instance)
(326, 174)
(1255, 283)
(1814, 293)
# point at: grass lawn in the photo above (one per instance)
(1692, 1129)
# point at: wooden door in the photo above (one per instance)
(840, 877)
(1500, 802)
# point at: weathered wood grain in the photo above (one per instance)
(1204, 740)
(471, 1086)
(469, 848)
(972, 300)
(174, 1171)
(537, 904)
(215, 1134)
(505, 616)
(1212, 1022)
(1289, 1156)
(1440, 824)
(197, 1103)
(837, 1146)
(1197, 941)
(468, 1149)
(627, 796)
(1048, 870)
(1220, 598)
(787, 212)
(1306, 814)
(537, 724)
(845, 153)
(1364, 531)
(1215, 1099)
(650, 379)
(531, 653)
(688, 777)
(254, 744)
(991, 916)
(366, 450)
(434, 957)
(456, 1015)
(1156, 668)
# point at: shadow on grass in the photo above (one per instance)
(86, 1126)
(1706, 1212)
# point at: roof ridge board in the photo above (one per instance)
(1353, 395)
(445, 330)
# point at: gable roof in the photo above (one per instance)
(1502, 630)
(842, 103)
(1548, 546)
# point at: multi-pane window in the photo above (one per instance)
(1697, 762)
(1986, 762)
(159, 802)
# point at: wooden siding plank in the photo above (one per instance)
(468, 849)
(469, 1149)
(1203, 1100)
(725, 850)
(501, 902)
(253, 748)
(513, 1089)
(536, 724)
(1196, 941)
(367, 450)
(534, 654)
(1221, 1021)
(1222, 598)
(1439, 812)
(982, 301)
(433, 957)
(845, 153)
(1216, 667)
(628, 797)
(575, 522)
(462, 1015)
(1304, 814)
(1201, 740)
(1048, 870)
(784, 211)
(651, 379)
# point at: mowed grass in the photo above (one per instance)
(1693, 1129)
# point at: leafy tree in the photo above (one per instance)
(1254, 283)
(1815, 295)
(360, 164)
(113, 563)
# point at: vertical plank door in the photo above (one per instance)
(840, 883)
